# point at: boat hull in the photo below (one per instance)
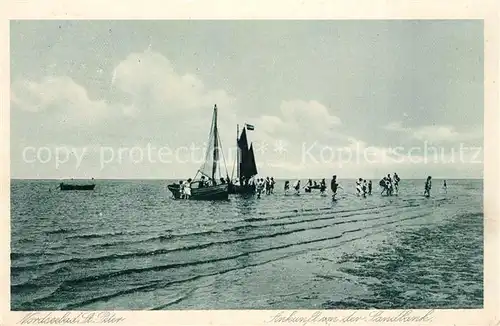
(237, 189)
(76, 187)
(218, 192)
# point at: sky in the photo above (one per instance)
(134, 99)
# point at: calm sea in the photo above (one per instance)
(128, 245)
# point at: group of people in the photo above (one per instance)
(390, 185)
(307, 188)
(185, 188)
(266, 185)
(363, 187)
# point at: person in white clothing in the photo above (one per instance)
(181, 189)
(187, 189)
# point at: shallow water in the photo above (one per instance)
(128, 245)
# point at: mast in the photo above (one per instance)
(238, 152)
(216, 145)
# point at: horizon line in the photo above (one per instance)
(277, 178)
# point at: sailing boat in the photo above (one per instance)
(207, 186)
(246, 166)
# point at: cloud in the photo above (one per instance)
(62, 98)
(150, 82)
(300, 120)
(150, 101)
(395, 126)
(436, 133)
(146, 96)
(308, 114)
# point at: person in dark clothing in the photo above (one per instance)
(322, 186)
(268, 186)
(286, 187)
(272, 185)
(334, 185)
(370, 187)
(384, 185)
(428, 186)
(308, 186)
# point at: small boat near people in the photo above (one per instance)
(310, 186)
(206, 185)
(245, 165)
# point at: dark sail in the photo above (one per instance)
(243, 142)
(243, 150)
(247, 165)
(251, 169)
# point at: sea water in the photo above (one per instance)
(129, 245)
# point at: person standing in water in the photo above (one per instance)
(390, 186)
(358, 186)
(272, 185)
(260, 187)
(364, 188)
(297, 187)
(334, 186)
(428, 186)
(287, 186)
(187, 189)
(396, 182)
(322, 186)
(383, 185)
(181, 189)
(370, 187)
(445, 187)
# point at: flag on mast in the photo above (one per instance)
(249, 127)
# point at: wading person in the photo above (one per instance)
(297, 187)
(260, 187)
(396, 182)
(286, 187)
(187, 189)
(383, 185)
(445, 187)
(334, 186)
(364, 188)
(359, 187)
(390, 187)
(181, 188)
(428, 186)
(322, 186)
(369, 187)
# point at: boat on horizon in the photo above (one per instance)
(207, 186)
(69, 186)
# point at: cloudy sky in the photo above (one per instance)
(134, 99)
